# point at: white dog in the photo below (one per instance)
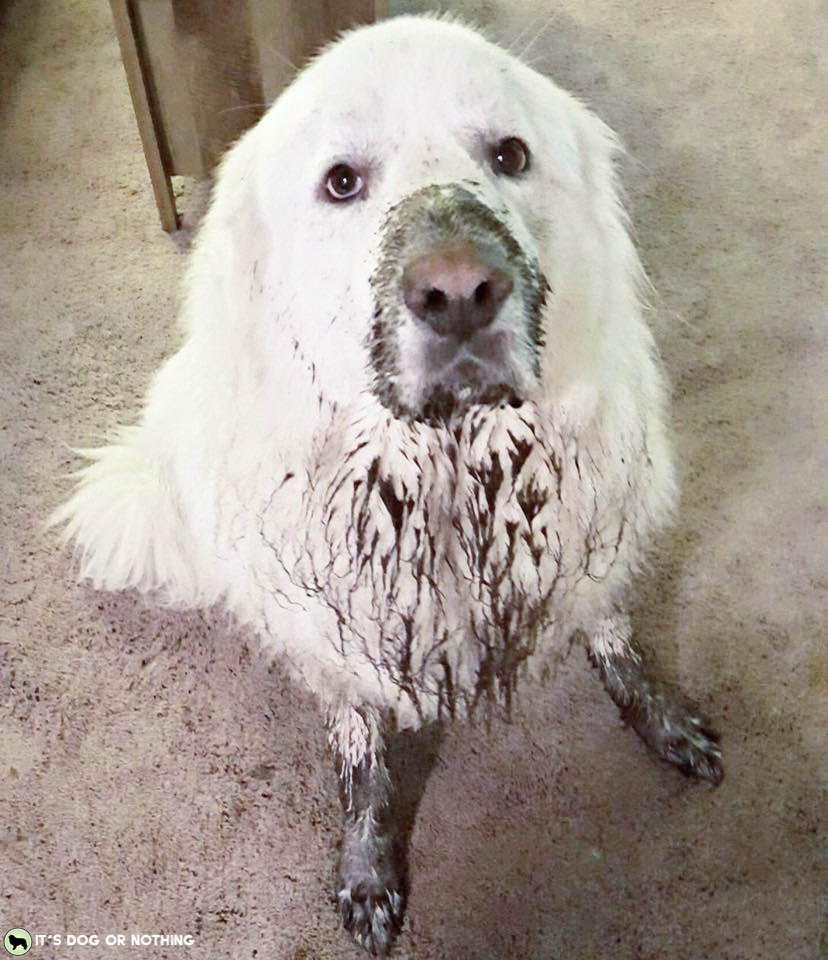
(416, 432)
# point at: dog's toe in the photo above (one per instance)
(694, 748)
(372, 914)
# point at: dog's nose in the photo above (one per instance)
(455, 291)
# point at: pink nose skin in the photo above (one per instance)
(454, 291)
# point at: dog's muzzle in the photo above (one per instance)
(457, 315)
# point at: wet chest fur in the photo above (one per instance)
(445, 555)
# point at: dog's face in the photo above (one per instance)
(436, 224)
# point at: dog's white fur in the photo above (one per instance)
(208, 498)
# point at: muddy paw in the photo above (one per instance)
(372, 913)
(693, 748)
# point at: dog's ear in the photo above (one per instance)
(627, 361)
(600, 351)
(602, 153)
(221, 275)
(601, 150)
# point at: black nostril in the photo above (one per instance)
(481, 294)
(435, 300)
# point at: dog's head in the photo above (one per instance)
(424, 221)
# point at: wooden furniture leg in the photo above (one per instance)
(139, 79)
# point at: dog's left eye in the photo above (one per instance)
(510, 157)
(343, 182)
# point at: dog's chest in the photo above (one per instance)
(445, 555)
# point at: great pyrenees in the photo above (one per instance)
(416, 433)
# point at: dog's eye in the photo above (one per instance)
(343, 182)
(510, 157)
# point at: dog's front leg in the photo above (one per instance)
(657, 713)
(369, 886)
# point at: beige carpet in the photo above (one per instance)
(156, 777)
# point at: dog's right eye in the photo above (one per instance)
(342, 182)
(510, 157)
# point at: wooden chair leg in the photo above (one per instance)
(139, 79)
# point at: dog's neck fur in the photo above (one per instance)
(487, 527)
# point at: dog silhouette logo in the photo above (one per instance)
(17, 942)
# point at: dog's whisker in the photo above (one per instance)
(251, 107)
(547, 23)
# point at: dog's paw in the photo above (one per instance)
(679, 737)
(372, 912)
(692, 746)
(660, 715)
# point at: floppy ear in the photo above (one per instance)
(632, 378)
(602, 153)
(221, 271)
(602, 287)
(244, 305)
(599, 366)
